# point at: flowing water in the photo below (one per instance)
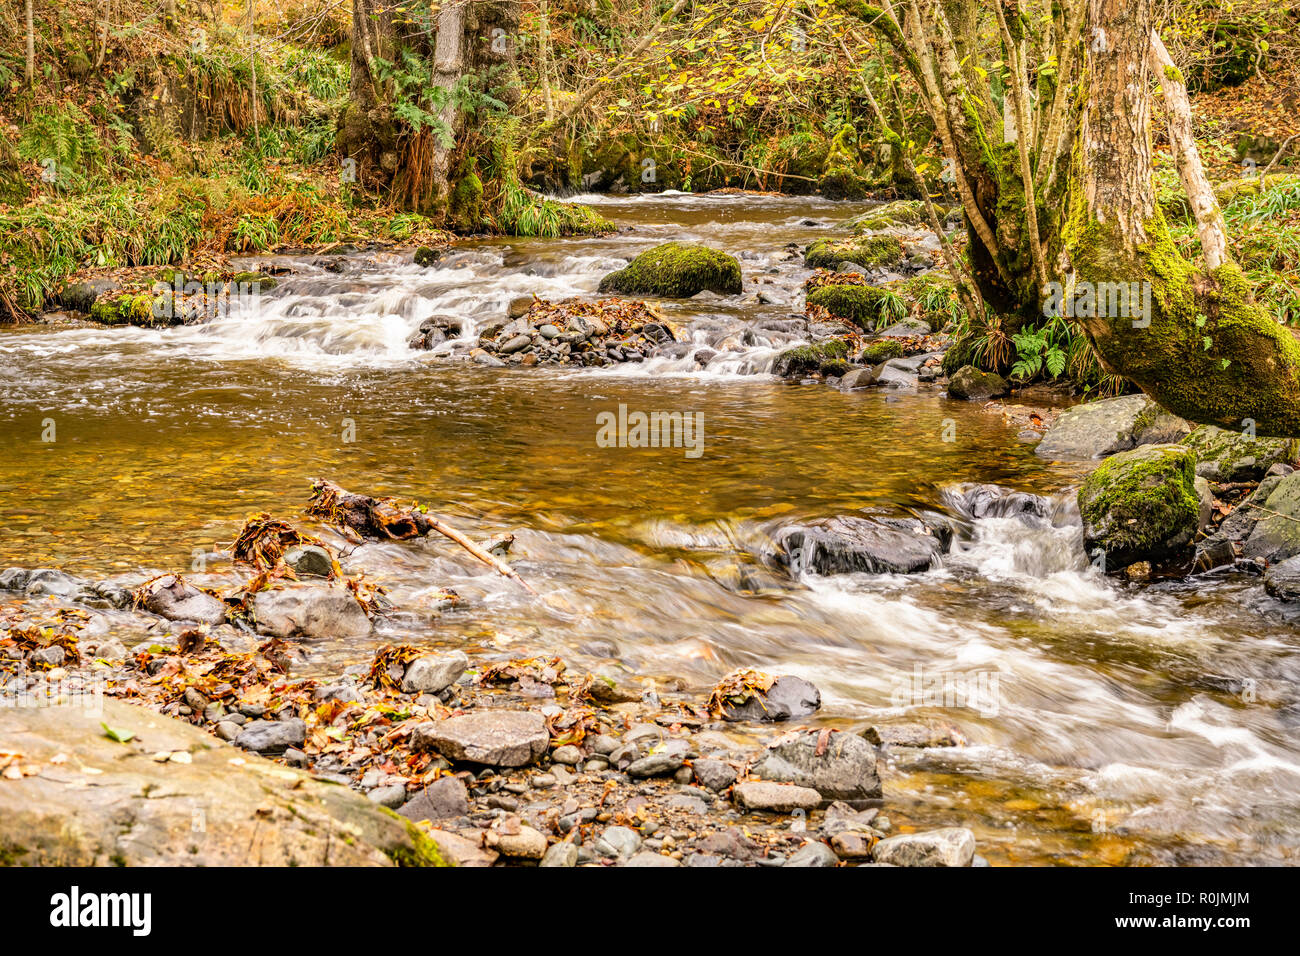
(1106, 723)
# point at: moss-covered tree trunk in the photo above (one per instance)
(1199, 345)
(368, 132)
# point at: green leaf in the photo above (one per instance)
(121, 736)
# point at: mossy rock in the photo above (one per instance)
(143, 310)
(1142, 505)
(1232, 456)
(881, 350)
(867, 251)
(1276, 535)
(676, 270)
(901, 212)
(258, 280)
(465, 204)
(843, 183)
(972, 385)
(426, 256)
(835, 368)
(806, 359)
(859, 304)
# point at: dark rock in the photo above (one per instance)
(787, 697)
(845, 770)
(445, 797)
(174, 598)
(272, 736)
(311, 560)
(1283, 580)
(717, 775)
(849, 543)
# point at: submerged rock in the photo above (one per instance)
(843, 769)
(1112, 425)
(1283, 580)
(1142, 505)
(849, 543)
(676, 270)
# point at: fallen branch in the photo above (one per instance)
(382, 519)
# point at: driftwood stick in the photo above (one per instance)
(381, 518)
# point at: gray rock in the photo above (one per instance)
(655, 765)
(497, 738)
(949, 846)
(228, 730)
(904, 329)
(432, 675)
(813, 854)
(714, 774)
(445, 797)
(1283, 580)
(272, 736)
(848, 543)
(174, 598)
(895, 373)
(1276, 534)
(858, 378)
(310, 559)
(972, 385)
(1233, 456)
(568, 755)
(775, 797)
(310, 613)
(1103, 428)
(650, 858)
(788, 697)
(14, 579)
(618, 842)
(560, 854)
(391, 796)
(846, 769)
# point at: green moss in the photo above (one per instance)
(423, 851)
(1141, 505)
(866, 251)
(835, 368)
(676, 270)
(881, 350)
(465, 204)
(263, 282)
(130, 310)
(804, 359)
(1233, 456)
(859, 304)
(901, 212)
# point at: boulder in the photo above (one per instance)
(497, 738)
(676, 270)
(1142, 505)
(174, 598)
(885, 252)
(845, 769)
(310, 613)
(788, 697)
(1276, 534)
(116, 805)
(1232, 456)
(1103, 428)
(949, 846)
(806, 359)
(310, 560)
(850, 543)
(972, 385)
(859, 304)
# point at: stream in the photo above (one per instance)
(1116, 725)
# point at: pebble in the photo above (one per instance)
(567, 754)
(560, 854)
(618, 842)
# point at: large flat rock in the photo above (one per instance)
(1103, 428)
(95, 802)
(497, 738)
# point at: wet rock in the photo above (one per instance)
(310, 560)
(14, 579)
(717, 775)
(310, 613)
(896, 373)
(676, 270)
(272, 736)
(426, 256)
(445, 797)
(560, 855)
(858, 378)
(433, 675)
(1282, 580)
(1112, 425)
(806, 359)
(950, 846)
(915, 734)
(81, 296)
(787, 697)
(994, 501)
(242, 801)
(1141, 505)
(498, 738)
(850, 543)
(813, 854)
(845, 768)
(972, 385)
(609, 689)
(1275, 536)
(775, 797)
(1224, 456)
(852, 846)
(174, 598)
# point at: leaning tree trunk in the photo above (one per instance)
(1204, 350)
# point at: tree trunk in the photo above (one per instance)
(1197, 343)
(29, 68)
(367, 132)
